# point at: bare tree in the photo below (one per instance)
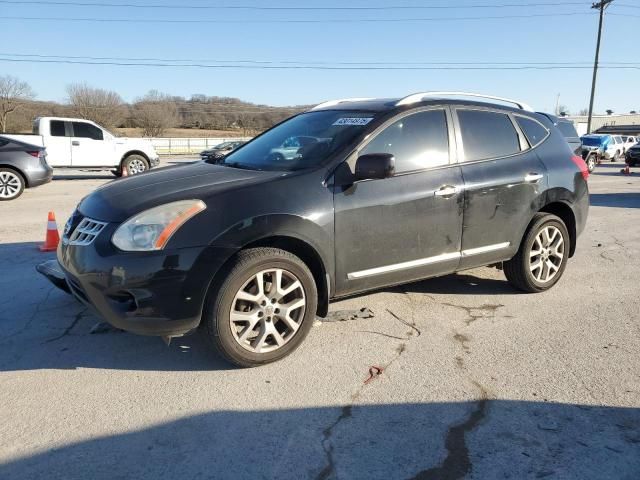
(102, 106)
(609, 112)
(584, 112)
(155, 112)
(13, 94)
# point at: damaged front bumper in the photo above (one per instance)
(52, 271)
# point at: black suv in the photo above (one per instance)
(389, 191)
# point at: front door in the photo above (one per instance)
(503, 179)
(408, 226)
(89, 146)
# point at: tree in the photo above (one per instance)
(563, 110)
(584, 112)
(102, 106)
(155, 112)
(13, 94)
(609, 112)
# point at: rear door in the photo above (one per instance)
(89, 146)
(58, 143)
(503, 179)
(408, 226)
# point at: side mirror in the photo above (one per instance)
(375, 166)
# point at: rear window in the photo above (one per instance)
(57, 128)
(487, 135)
(567, 129)
(534, 132)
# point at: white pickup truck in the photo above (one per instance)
(78, 143)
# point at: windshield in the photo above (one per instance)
(304, 141)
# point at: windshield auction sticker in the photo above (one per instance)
(353, 121)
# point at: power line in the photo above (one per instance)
(301, 21)
(286, 8)
(295, 62)
(316, 67)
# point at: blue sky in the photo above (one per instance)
(537, 39)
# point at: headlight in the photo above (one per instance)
(152, 229)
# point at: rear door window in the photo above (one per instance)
(417, 141)
(57, 128)
(487, 135)
(86, 130)
(534, 131)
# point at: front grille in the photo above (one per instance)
(86, 232)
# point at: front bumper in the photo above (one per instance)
(151, 293)
(632, 157)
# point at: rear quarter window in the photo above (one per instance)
(487, 135)
(533, 130)
(57, 128)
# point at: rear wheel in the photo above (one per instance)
(542, 257)
(135, 164)
(11, 184)
(263, 309)
(591, 163)
(616, 157)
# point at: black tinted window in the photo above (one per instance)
(86, 130)
(487, 134)
(57, 128)
(3, 142)
(567, 129)
(534, 132)
(418, 141)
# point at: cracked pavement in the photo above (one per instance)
(475, 380)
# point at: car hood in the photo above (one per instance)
(125, 197)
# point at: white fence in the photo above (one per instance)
(176, 146)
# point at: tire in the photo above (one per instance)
(231, 300)
(519, 270)
(11, 184)
(591, 163)
(135, 164)
(616, 157)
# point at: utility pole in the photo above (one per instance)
(558, 105)
(599, 6)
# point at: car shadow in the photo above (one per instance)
(617, 200)
(440, 440)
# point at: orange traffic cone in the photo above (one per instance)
(125, 172)
(52, 238)
(625, 170)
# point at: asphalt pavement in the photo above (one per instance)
(455, 377)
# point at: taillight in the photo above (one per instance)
(34, 154)
(581, 165)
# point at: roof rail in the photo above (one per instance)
(332, 103)
(418, 97)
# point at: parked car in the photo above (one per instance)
(78, 143)
(599, 147)
(394, 191)
(629, 142)
(21, 166)
(220, 151)
(290, 148)
(632, 157)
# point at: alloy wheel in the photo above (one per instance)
(10, 184)
(267, 310)
(136, 166)
(547, 254)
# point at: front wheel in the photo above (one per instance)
(263, 309)
(135, 164)
(11, 184)
(542, 257)
(591, 163)
(616, 157)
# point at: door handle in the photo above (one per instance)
(533, 177)
(75, 143)
(446, 191)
